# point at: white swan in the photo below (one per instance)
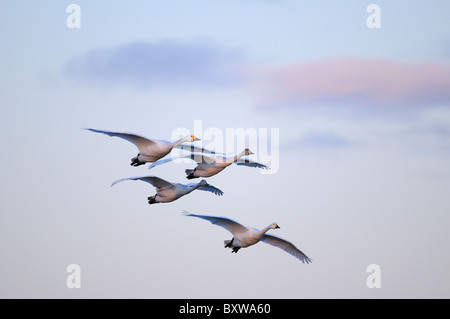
(168, 192)
(209, 165)
(150, 150)
(245, 237)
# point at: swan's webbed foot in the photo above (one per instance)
(152, 200)
(190, 173)
(135, 161)
(235, 249)
(228, 245)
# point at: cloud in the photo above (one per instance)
(353, 82)
(169, 64)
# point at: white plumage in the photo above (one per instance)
(168, 192)
(207, 165)
(244, 236)
(210, 165)
(150, 150)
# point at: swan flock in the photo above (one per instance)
(209, 163)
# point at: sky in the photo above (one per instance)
(360, 171)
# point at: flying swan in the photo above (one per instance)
(209, 165)
(150, 150)
(168, 192)
(245, 237)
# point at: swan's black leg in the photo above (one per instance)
(190, 173)
(135, 161)
(191, 176)
(236, 249)
(229, 244)
(152, 199)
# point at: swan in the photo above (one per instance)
(168, 192)
(149, 150)
(245, 236)
(209, 165)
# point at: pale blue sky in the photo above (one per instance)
(359, 181)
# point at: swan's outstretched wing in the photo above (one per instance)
(139, 141)
(155, 181)
(250, 163)
(199, 158)
(230, 225)
(286, 246)
(210, 188)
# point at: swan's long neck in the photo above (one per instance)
(193, 187)
(236, 157)
(201, 183)
(181, 140)
(264, 230)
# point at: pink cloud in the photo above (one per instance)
(354, 81)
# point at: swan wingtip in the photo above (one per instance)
(185, 213)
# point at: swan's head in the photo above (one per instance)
(192, 138)
(274, 226)
(248, 152)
